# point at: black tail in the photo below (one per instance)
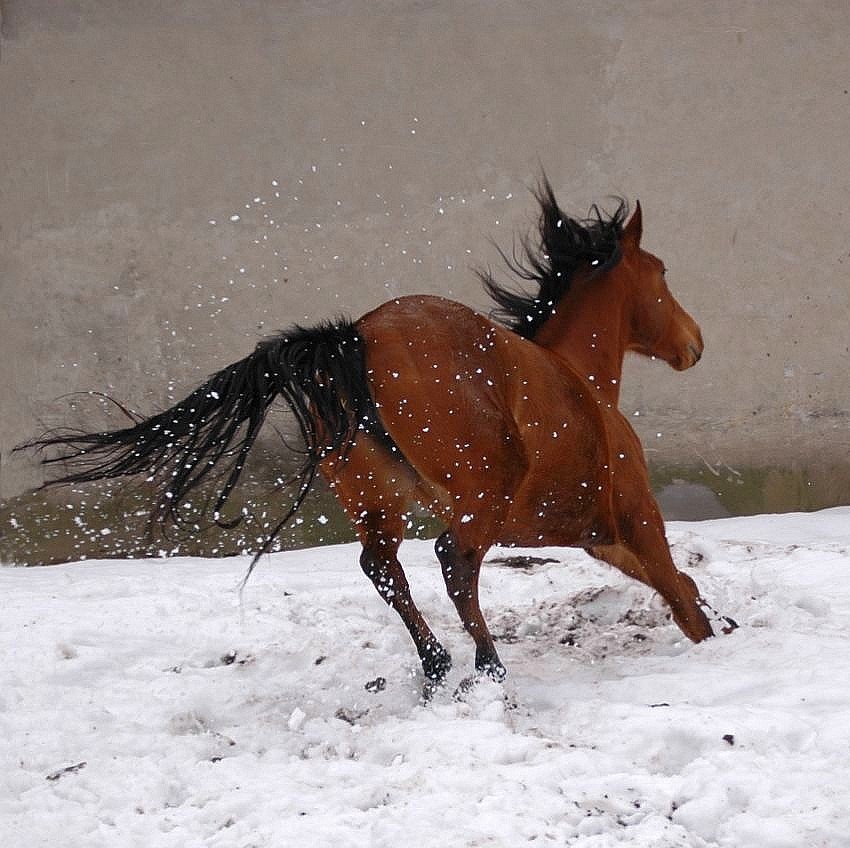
(319, 372)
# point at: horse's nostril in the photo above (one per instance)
(696, 352)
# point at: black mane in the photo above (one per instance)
(562, 247)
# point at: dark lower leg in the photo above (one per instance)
(385, 572)
(460, 572)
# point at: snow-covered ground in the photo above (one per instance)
(142, 705)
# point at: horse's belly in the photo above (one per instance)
(563, 517)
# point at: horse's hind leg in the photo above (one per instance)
(461, 568)
(478, 514)
(379, 562)
(643, 553)
(374, 487)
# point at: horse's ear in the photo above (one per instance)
(634, 229)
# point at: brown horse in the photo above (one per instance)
(508, 434)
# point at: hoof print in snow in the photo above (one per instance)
(189, 723)
(66, 652)
(521, 561)
(350, 716)
(59, 773)
(192, 723)
(230, 658)
(376, 685)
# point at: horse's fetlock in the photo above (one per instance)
(487, 662)
(494, 670)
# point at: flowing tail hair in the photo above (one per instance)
(319, 372)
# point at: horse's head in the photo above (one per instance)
(659, 326)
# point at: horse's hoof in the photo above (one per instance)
(731, 624)
(436, 664)
(726, 624)
(493, 669)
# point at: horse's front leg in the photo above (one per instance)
(643, 553)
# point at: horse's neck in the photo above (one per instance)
(592, 337)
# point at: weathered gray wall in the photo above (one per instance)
(372, 148)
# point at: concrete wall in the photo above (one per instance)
(372, 148)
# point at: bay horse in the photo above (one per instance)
(507, 431)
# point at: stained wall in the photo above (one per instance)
(177, 179)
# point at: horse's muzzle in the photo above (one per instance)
(696, 353)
